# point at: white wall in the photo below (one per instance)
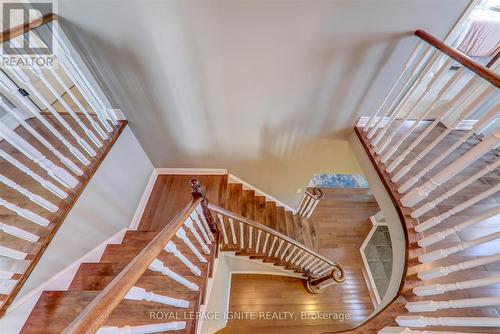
(106, 206)
(262, 88)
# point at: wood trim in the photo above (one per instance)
(72, 198)
(460, 57)
(95, 314)
(27, 26)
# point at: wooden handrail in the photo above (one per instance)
(266, 229)
(25, 27)
(95, 314)
(460, 57)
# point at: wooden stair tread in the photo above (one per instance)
(56, 309)
(248, 204)
(290, 225)
(260, 209)
(234, 197)
(271, 215)
(281, 220)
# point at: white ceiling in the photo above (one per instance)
(233, 83)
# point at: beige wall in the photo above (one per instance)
(262, 88)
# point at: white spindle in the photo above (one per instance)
(384, 142)
(419, 193)
(32, 197)
(445, 252)
(312, 264)
(158, 266)
(277, 252)
(242, 239)
(233, 233)
(304, 204)
(431, 222)
(223, 229)
(289, 256)
(17, 232)
(421, 321)
(257, 243)
(272, 246)
(201, 217)
(137, 293)
(143, 329)
(441, 235)
(190, 226)
(264, 247)
(58, 173)
(449, 84)
(432, 306)
(325, 271)
(25, 169)
(171, 248)
(303, 259)
(183, 236)
(194, 218)
(445, 271)
(299, 254)
(432, 204)
(468, 110)
(406, 330)
(25, 213)
(438, 289)
(406, 67)
(250, 236)
(12, 253)
(285, 251)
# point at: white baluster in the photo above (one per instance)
(441, 235)
(250, 236)
(194, 219)
(471, 107)
(404, 93)
(201, 217)
(406, 67)
(300, 253)
(289, 256)
(304, 204)
(56, 172)
(242, 240)
(431, 305)
(311, 209)
(325, 271)
(264, 247)
(137, 293)
(449, 84)
(23, 168)
(438, 289)
(190, 226)
(406, 330)
(276, 253)
(143, 329)
(419, 193)
(421, 321)
(428, 87)
(65, 160)
(445, 271)
(320, 269)
(432, 204)
(257, 243)
(158, 266)
(302, 259)
(317, 267)
(182, 235)
(171, 248)
(312, 264)
(24, 213)
(233, 233)
(17, 232)
(223, 229)
(32, 197)
(272, 246)
(431, 222)
(12, 253)
(80, 80)
(445, 252)
(285, 251)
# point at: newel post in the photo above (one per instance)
(318, 285)
(198, 190)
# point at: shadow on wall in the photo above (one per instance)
(179, 133)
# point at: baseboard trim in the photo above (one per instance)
(192, 171)
(134, 224)
(234, 179)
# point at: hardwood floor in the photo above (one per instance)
(35, 250)
(341, 223)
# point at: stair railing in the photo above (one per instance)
(60, 126)
(192, 219)
(259, 241)
(449, 116)
(309, 202)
